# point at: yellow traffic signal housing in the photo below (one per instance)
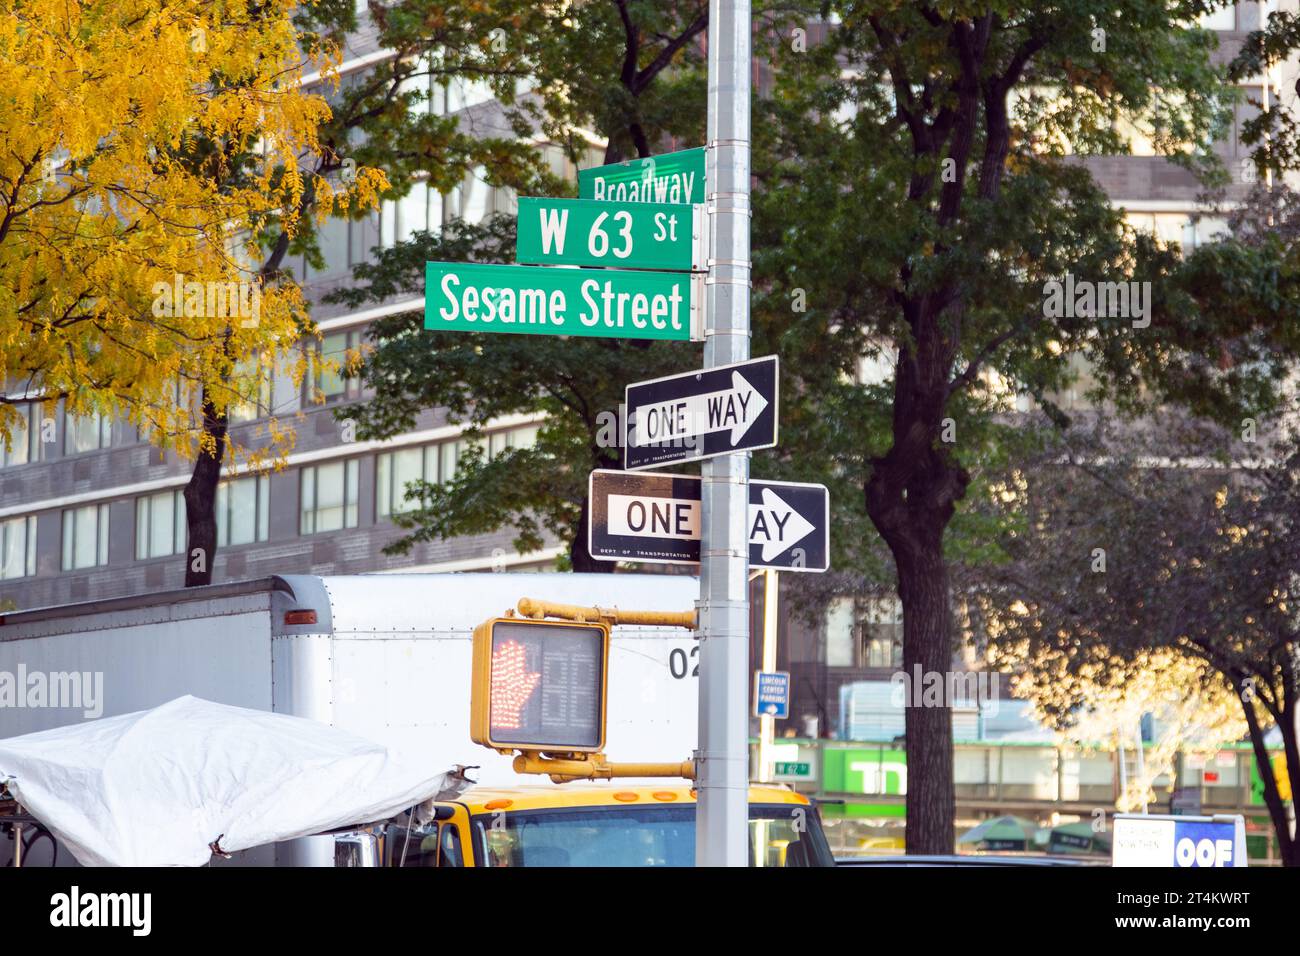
(540, 685)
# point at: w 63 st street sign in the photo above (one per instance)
(656, 518)
(581, 232)
(609, 303)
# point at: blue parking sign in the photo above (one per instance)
(772, 694)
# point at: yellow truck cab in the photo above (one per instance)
(597, 824)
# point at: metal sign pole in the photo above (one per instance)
(722, 827)
(767, 723)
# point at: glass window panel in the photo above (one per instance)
(388, 223)
(65, 561)
(1225, 18)
(85, 537)
(81, 433)
(241, 511)
(255, 388)
(307, 520)
(474, 197)
(162, 527)
(223, 524)
(450, 452)
(20, 438)
(350, 515)
(334, 348)
(14, 537)
(413, 211)
(436, 211)
(407, 466)
(383, 484)
(263, 507)
(101, 528)
(178, 543)
(329, 497)
(141, 528)
(332, 240)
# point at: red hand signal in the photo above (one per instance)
(512, 684)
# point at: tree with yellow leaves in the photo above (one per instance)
(149, 154)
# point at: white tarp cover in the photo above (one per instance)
(156, 787)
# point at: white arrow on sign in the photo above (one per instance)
(735, 408)
(776, 525)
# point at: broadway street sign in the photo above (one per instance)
(656, 518)
(583, 232)
(701, 414)
(673, 177)
(608, 303)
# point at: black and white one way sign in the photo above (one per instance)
(656, 518)
(701, 414)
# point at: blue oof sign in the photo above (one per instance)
(1180, 842)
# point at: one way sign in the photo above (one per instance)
(656, 518)
(701, 414)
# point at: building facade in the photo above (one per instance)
(89, 509)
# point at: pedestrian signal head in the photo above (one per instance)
(539, 685)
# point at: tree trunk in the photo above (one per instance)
(1272, 799)
(201, 500)
(911, 496)
(1291, 750)
(927, 656)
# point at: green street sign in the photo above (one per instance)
(586, 232)
(673, 177)
(605, 303)
(792, 770)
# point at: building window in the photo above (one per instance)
(243, 510)
(435, 464)
(159, 525)
(85, 537)
(254, 378)
(395, 469)
(83, 433)
(24, 438)
(328, 497)
(449, 456)
(17, 548)
(523, 437)
(841, 632)
(882, 635)
(333, 384)
(1224, 19)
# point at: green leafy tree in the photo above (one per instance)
(929, 201)
(632, 72)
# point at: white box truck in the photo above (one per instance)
(386, 656)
